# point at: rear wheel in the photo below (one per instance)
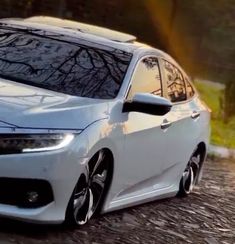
(190, 175)
(89, 190)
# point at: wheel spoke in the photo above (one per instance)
(79, 198)
(97, 163)
(188, 180)
(185, 176)
(84, 213)
(79, 203)
(195, 161)
(195, 165)
(97, 186)
(91, 205)
(99, 179)
(87, 174)
(191, 180)
(81, 213)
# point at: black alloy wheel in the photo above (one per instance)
(190, 175)
(89, 190)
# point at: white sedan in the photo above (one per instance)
(92, 121)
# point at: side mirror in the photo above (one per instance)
(148, 103)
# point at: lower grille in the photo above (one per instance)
(25, 193)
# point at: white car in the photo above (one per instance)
(91, 120)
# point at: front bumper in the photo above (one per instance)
(60, 169)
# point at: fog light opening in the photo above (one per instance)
(32, 196)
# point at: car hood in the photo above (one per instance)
(26, 106)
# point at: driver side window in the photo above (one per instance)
(146, 78)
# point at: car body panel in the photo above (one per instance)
(29, 107)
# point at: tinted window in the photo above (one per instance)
(146, 78)
(46, 60)
(189, 89)
(175, 83)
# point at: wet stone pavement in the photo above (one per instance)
(206, 216)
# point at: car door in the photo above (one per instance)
(144, 138)
(181, 136)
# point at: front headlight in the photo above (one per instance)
(26, 143)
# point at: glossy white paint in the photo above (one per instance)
(85, 28)
(148, 160)
(150, 99)
(30, 107)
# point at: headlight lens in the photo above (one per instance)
(26, 143)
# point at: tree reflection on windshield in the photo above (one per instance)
(47, 60)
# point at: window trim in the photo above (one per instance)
(187, 79)
(134, 69)
(196, 94)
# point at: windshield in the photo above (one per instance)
(53, 62)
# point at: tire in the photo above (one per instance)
(90, 190)
(190, 175)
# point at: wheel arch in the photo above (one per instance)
(202, 149)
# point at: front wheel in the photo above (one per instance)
(89, 190)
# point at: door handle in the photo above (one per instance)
(195, 115)
(165, 124)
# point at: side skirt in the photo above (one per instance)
(117, 204)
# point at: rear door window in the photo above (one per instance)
(176, 89)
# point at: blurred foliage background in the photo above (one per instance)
(200, 34)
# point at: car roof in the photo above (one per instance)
(87, 34)
(81, 31)
(82, 27)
